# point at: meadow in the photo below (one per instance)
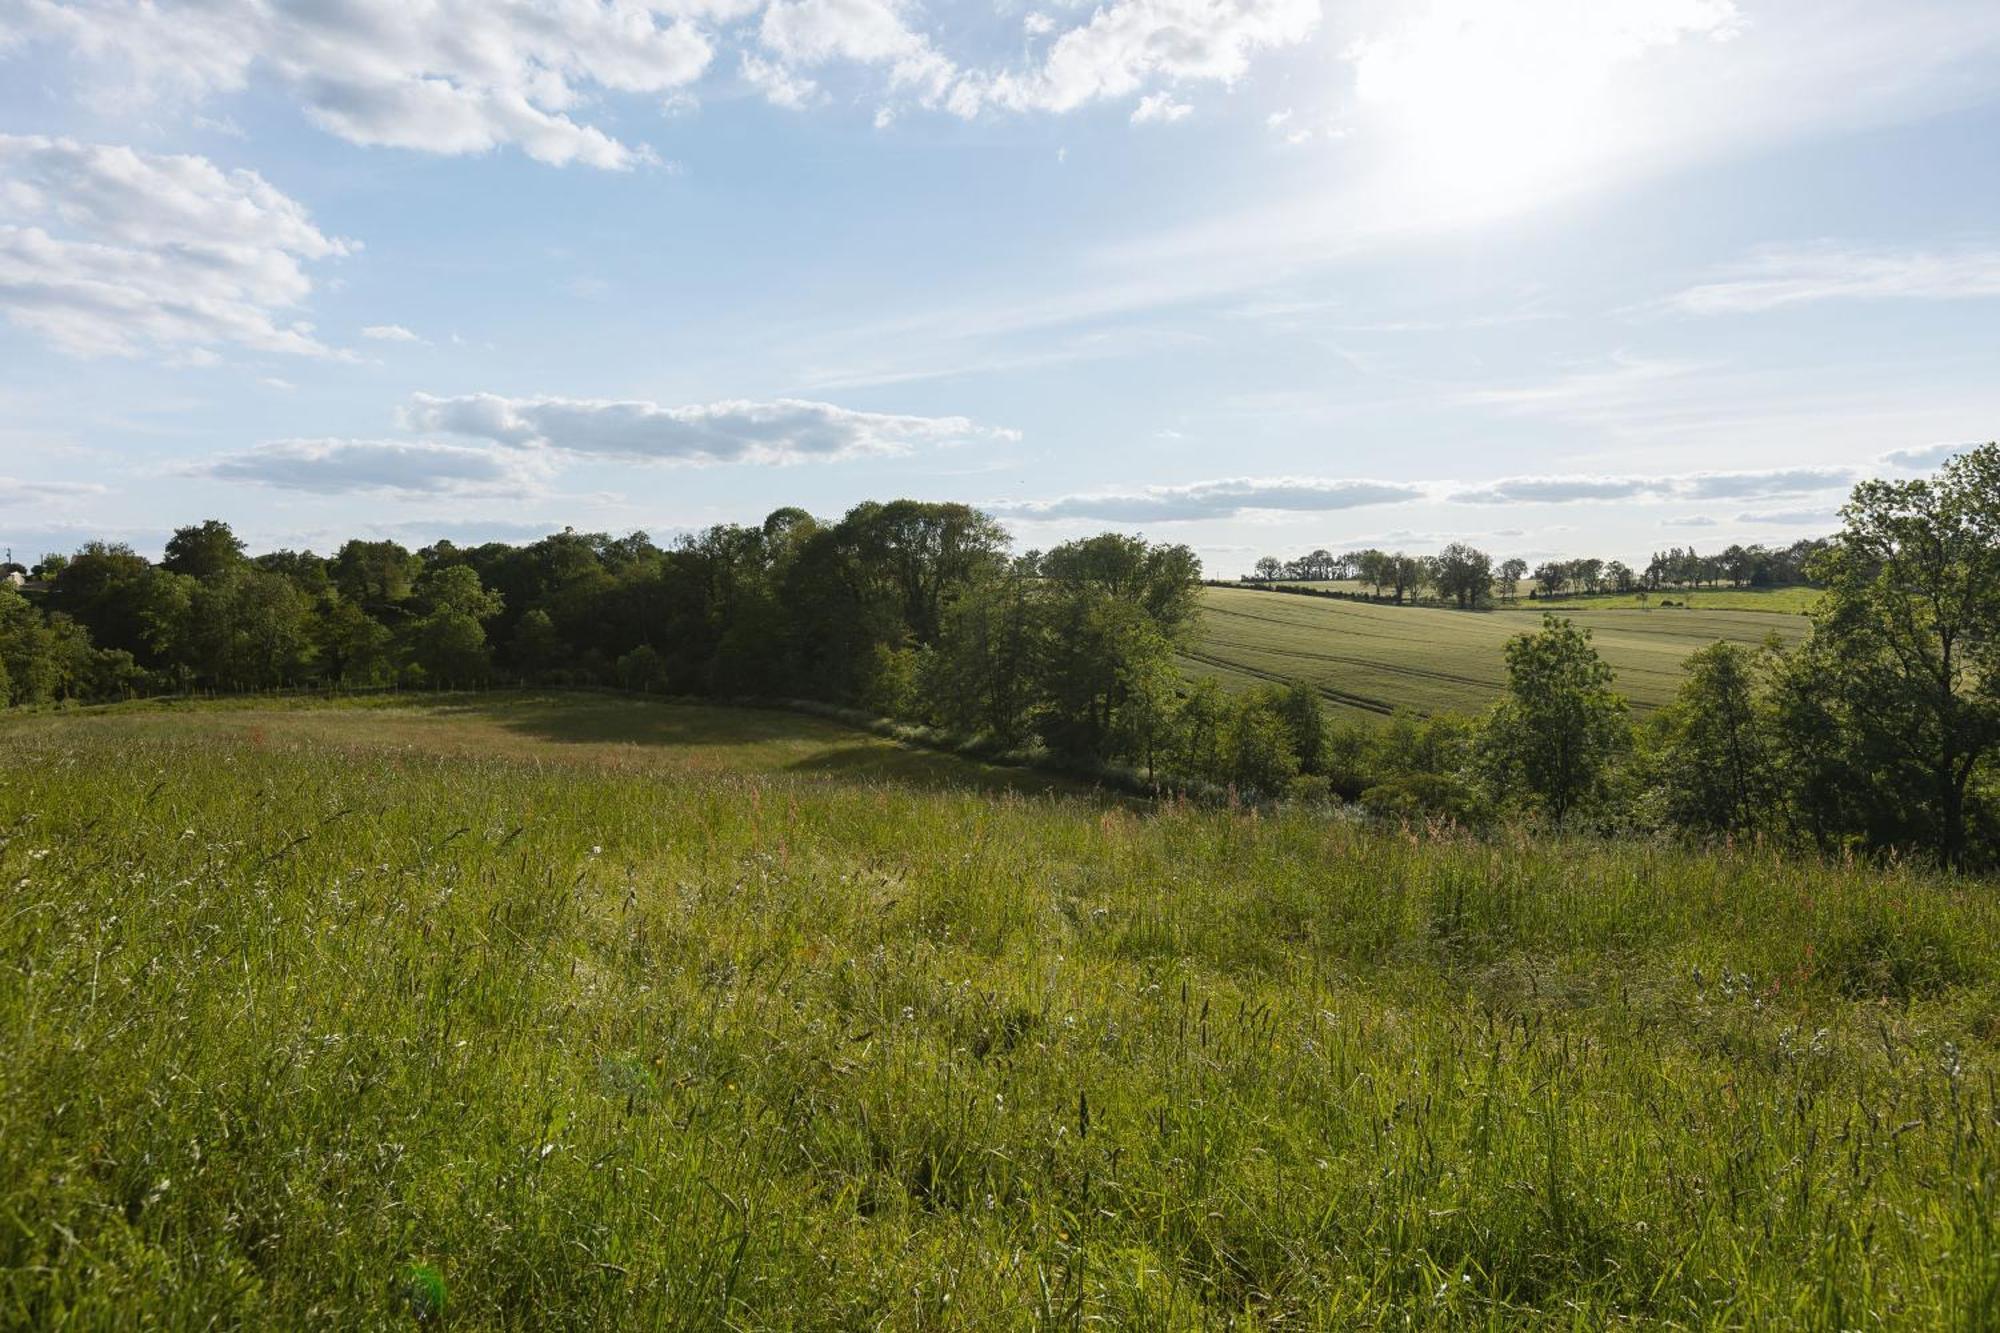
(584, 1013)
(1367, 658)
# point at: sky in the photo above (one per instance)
(1556, 277)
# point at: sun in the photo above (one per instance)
(1484, 106)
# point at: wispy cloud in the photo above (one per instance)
(1568, 489)
(1226, 498)
(1776, 278)
(390, 333)
(1816, 518)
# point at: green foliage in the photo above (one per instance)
(644, 670)
(1907, 643)
(1713, 759)
(1556, 733)
(1464, 575)
(208, 550)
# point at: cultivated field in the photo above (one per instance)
(627, 1016)
(1794, 600)
(1780, 601)
(1371, 658)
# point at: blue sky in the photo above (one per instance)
(1258, 275)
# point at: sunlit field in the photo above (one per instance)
(596, 1012)
(1370, 658)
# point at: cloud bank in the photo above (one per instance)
(783, 430)
(410, 467)
(467, 76)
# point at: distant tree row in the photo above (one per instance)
(908, 609)
(1466, 577)
(1880, 734)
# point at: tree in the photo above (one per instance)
(979, 681)
(1560, 725)
(1305, 725)
(1464, 575)
(1553, 576)
(1115, 611)
(449, 647)
(354, 647)
(28, 659)
(1258, 744)
(1268, 570)
(375, 576)
(204, 551)
(1714, 757)
(1512, 570)
(449, 643)
(1908, 634)
(536, 649)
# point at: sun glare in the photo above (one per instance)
(1486, 106)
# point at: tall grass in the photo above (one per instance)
(297, 1035)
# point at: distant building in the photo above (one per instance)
(14, 578)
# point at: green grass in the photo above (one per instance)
(1369, 658)
(597, 731)
(341, 1018)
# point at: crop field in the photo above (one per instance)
(473, 1017)
(1373, 659)
(1791, 601)
(1781, 601)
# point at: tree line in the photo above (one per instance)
(1878, 735)
(1466, 577)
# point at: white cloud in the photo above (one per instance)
(1925, 457)
(390, 333)
(1160, 108)
(105, 250)
(809, 33)
(779, 85)
(451, 76)
(1225, 498)
(466, 76)
(1787, 277)
(414, 467)
(781, 431)
(1688, 521)
(1129, 44)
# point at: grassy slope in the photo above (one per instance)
(287, 1011)
(1373, 658)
